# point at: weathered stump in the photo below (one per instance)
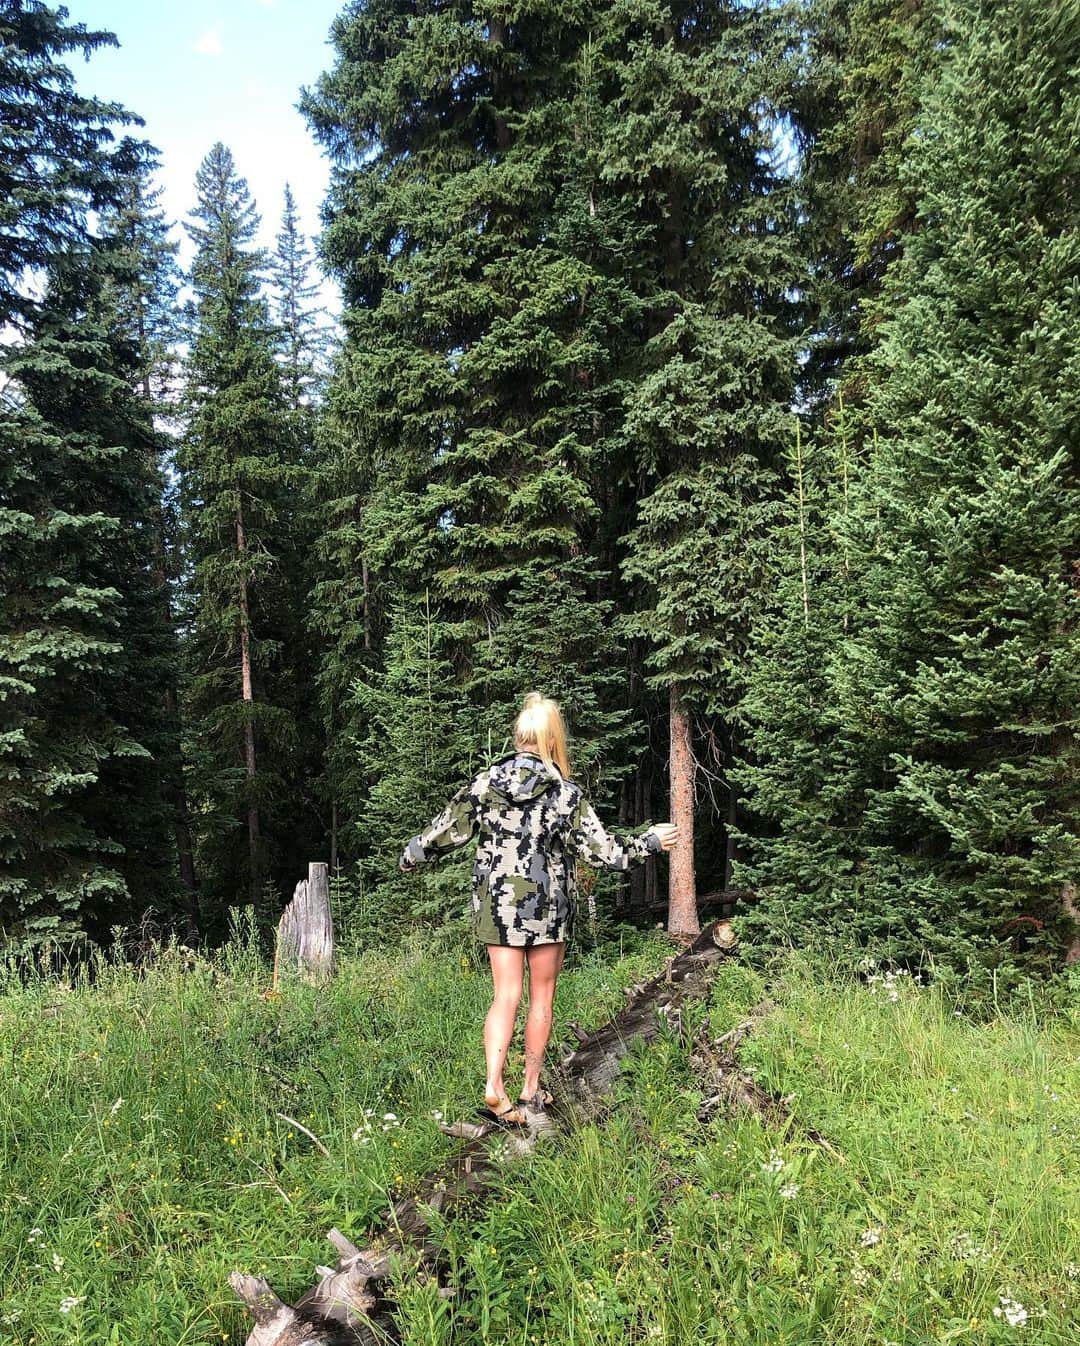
(344, 1309)
(305, 933)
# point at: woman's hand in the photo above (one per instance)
(668, 834)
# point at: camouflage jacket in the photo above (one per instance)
(532, 827)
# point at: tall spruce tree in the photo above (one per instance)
(237, 472)
(466, 399)
(142, 304)
(294, 292)
(954, 692)
(688, 145)
(83, 842)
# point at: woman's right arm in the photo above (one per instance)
(454, 826)
(599, 847)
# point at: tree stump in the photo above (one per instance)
(305, 933)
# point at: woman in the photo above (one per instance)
(533, 823)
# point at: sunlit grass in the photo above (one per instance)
(145, 1158)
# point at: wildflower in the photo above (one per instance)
(1072, 1270)
(436, 1114)
(789, 1191)
(115, 1106)
(966, 1249)
(859, 1273)
(390, 1117)
(869, 1238)
(32, 1236)
(1014, 1313)
(775, 1163)
(69, 1302)
(57, 1262)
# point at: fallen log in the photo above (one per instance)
(734, 1089)
(347, 1306)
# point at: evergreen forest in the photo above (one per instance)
(702, 364)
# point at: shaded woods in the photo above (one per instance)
(707, 367)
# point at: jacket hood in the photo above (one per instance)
(520, 776)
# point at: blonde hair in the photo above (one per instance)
(540, 725)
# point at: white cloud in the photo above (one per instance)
(209, 43)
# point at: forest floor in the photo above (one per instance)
(150, 1147)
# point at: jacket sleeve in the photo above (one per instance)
(454, 826)
(599, 847)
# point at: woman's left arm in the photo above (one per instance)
(454, 826)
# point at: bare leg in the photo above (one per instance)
(507, 966)
(545, 963)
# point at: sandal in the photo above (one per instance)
(504, 1113)
(538, 1100)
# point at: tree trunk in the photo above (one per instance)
(1068, 901)
(682, 897)
(729, 848)
(249, 726)
(367, 603)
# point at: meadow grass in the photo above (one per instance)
(144, 1158)
(943, 1209)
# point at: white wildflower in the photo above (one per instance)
(1014, 1313)
(57, 1262)
(115, 1107)
(1072, 1271)
(966, 1249)
(436, 1114)
(789, 1191)
(869, 1238)
(775, 1163)
(859, 1273)
(69, 1302)
(32, 1236)
(389, 1116)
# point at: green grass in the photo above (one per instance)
(949, 1181)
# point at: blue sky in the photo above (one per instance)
(228, 70)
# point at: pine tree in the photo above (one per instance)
(58, 156)
(855, 107)
(464, 411)
(236, 479)
(406, 750)
(796, 843)
(687, 143)
(82, 841)
(953, 692)
(142, 299)
(293, 292)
